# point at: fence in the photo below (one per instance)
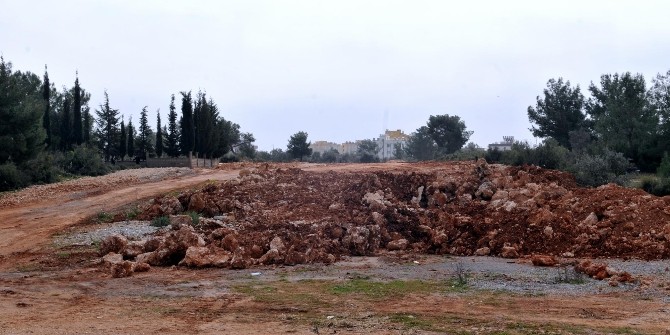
(172, 162)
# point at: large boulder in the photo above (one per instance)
(113, 243)
(205, 257)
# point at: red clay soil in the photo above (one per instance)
(277, 215)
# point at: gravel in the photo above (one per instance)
(91, 184)
(133, 230)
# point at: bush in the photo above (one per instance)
(658, 186)
(664, 169)
(42, 169)
(84, 160)
(11, 178)
(160, 221)
(600, 169)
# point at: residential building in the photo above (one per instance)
(387, 142)
(324, 146)
(505, 145)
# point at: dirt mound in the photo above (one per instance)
(275, 215)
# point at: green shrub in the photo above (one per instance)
(600, 169)
(664, 169)
(160, 221)
(84, 160)
(11, 178)
(195, 217)
(42, 169)
(658, 186)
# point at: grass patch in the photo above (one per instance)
(379, 290)
(412, 321)
(104, 217)
(195, 217)
(160, 221)
(132, 213)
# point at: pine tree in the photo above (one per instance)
(123, 145)
(131, 138)
(21, 109)
(46, 118)
(65, 125)
(144, 135)
(187, 128)
(77, 133)
(159, 135)
(172, 148)
(108, 129)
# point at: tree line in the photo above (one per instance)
(47, 133)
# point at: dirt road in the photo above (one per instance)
(26, 228)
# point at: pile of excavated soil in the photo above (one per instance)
(275, 215)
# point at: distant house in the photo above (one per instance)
(505, 145)
(387, 142)
(324, 146)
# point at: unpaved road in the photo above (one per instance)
(27, 228)
(45, 289)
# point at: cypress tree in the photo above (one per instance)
(46, 118)
(123, 146)
(159, 135)
(131, 138)
(77, 128)
(65, 124)
(173, 132)
(187, 128)
(87, 125)
(144, 134)
(108, 129)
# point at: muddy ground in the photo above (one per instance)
(382, 248)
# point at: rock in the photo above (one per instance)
(170, 205)
(419, 195)
(400, 244)
(230, 242)
(666, 232)
(357, 240)
(256, 251)
(590, 220)
(197, 202)
(133, 248)
(568, 254)
(486, 190)
(176, 221)
(544, 260)
(239, 262)
(141, 267)
(271, 257)
(484, 251)
(277, 244)
(153, 243)
(548, 231)
(112, 258)
(378, 219)
(509, 252)
(335, 206)
(500, 195)
(204, 257)
(121, 269)
(509, 206)
(113, 243)
(374, 200)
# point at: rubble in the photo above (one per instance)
(289, 216)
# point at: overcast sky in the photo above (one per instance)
(339, 70)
